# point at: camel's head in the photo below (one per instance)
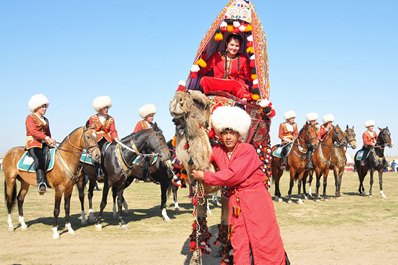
(180, 105)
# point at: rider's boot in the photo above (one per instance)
(99, 172)
(309, 160)
(41, 182)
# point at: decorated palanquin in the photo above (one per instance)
(238, 17)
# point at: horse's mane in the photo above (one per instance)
(71, 134)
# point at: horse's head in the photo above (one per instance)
(384, 137)
(89, 142)
(156, 143)
(350, 137)
(338, 136)
(310, 134)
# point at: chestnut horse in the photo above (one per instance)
(62, 177)
(119, 168)
(339, 159)
(296, 160)
(322, 158)
(374, 162)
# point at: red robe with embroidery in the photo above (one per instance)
(36, 131)
(256, 226)
(369, 138)
(322, 132)
(232, 80)
(141, 125)
(106, 130)
(287, 132)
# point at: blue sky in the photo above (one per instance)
(337, 57)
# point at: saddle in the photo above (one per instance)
(279, 148)
(25, 163)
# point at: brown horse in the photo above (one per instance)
(374, 162)
(296, 161)
(339, 159)
(62, 177)
(322, 158)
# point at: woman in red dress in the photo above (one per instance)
(147, 113)
(231, 70)
(253, 227)
(38, 137)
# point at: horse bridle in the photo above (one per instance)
(88, 148)
(348, 140)
(308, 136)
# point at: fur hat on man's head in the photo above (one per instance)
(102, 102)
(312, 116)
(369, 123)
(328, 118)
(234, 118)
(146, 110)
(290, 114)
(36, 101)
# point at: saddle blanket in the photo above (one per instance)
(278, 150)
(86, 159)
(360, 155)
(25, 163)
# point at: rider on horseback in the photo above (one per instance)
(312, 120)
(369, 138)
(104, 126)
(38, 138)
(288, 131)
(326, 126)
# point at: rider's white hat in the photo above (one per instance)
(146, 110)
(234, 118)
(312, 116)
(102, 102)
(328, 118)
(290, 114)
(36, 101)
(369, 123)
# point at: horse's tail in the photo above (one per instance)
(13, 196)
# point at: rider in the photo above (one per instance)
(288, 131)
(38, 138)
(369, 138)
(104, 126)
(147, 113)
(312, 118)
(253, 226)
(231, 70)
(327, 125)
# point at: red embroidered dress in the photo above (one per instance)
(230, 75)
(141, 125)
(36, 131)
(254, 224)
(106, 130)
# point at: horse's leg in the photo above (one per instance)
(57, 204)
(305, 175)
(381, 184)
(318, 185)
(21, 198)
(276, 175)
(115, 203)
(120, 199)
(337, 180)
(67, 197)
(174, 190)
(90, 194)
(371, 182)
(80, 187)
(291, 184)
(310, 174)
(164, 185)
(104, 199)
(325, 184)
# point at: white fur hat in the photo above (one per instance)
(290, 114)
(102, 102)
(146, 110)
(36, 101)
(328, 117)
(312, 116)
(234, 118)
(369, 123)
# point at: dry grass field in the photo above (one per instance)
(349, 230)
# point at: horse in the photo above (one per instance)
(120, 170)
(296, 161)
(339, 159)
(322, 158)
(62, 177)
(374, 162)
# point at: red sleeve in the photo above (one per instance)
(246, 69)
(138, 127)
(112, 130)
(210, 64)
(240, 168)
(33, 130)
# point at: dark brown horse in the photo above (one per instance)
(119, 168)
(322, 158)
(374, 162)
(62, 177)
(296, 161)
(339, 159)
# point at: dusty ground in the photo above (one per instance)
(350, 230)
